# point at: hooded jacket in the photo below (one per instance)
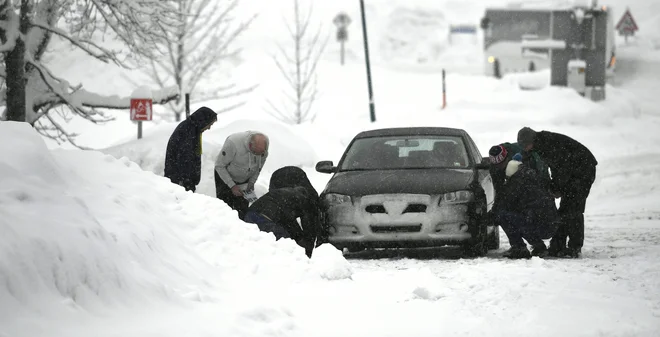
(567, 158)
(524, 193)
(236, 164)
(183, 157)
(283, 205)
(497, 172)
(291, 176)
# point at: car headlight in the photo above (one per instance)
(458, 197)
(334, 199)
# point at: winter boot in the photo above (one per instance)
(555, 250)
(517, 252)
(573, 253)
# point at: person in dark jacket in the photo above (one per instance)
(573, 169)
(526, 211)
(276, 212)
(500, 155)
(183, 157)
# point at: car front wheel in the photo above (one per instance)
(478, 245)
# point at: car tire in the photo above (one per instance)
(477, 247)
(493, 240)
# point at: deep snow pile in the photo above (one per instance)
(287, 147)
(83, 232)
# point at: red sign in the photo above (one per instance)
(141, 109)
(627, 25)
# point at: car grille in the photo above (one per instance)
(396, 229)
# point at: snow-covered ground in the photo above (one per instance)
(98, 243)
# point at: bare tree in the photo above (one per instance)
(31, 91)
(299, 69)
(196, 50)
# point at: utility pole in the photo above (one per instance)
(372, 107)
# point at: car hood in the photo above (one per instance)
(436, 181)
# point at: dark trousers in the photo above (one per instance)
(518, 226)
(223, 192)
(571, 210)
(266, 225)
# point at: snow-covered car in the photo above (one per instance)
(409, 187)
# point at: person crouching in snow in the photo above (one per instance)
(526, 211)
(276, 212)
(183, 157)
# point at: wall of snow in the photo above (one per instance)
(84, 232)
(287, 147)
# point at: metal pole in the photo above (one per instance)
(372, 108)
(187, 105)
(444, 90)
(139, 129)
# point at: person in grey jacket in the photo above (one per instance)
(238, 166)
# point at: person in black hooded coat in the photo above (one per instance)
(290, 196)
(183, 157)
(277, 212)
(573, 169)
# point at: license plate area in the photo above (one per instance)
(387, 229)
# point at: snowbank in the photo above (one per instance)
(286, 148)
(85, 233)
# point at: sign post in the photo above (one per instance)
(372, 106)
(627, 25)
(187, 105)
(141, 107)
(342, 20)
(444, 91)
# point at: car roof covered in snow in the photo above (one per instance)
(412, 131)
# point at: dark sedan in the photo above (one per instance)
(409, 187)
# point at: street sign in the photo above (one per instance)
(342, 20)
(342, 34)
(141, 109)
(627, 25)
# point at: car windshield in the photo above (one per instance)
(406, 152)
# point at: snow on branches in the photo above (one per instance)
(30, 91)
(197, 49)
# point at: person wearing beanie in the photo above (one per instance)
(527, 211)
(500, 155)
(573, 170)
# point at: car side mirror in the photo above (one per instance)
(326, 166)
(485, 164)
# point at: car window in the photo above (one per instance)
(475, 151)
(378, 153)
